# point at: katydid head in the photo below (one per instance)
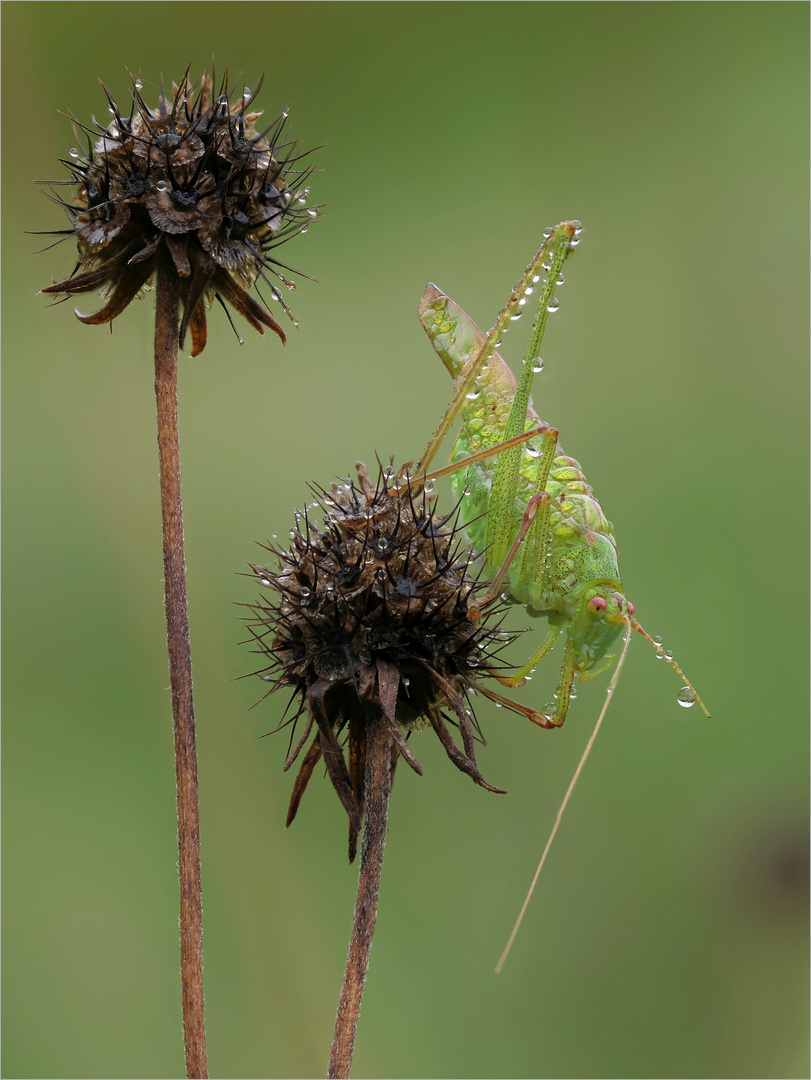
(600, 614)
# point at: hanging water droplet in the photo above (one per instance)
(560, 279)
(553, 305)
(138, 84)
(381, 574)
(265, 677)
(537, 365)
(529, 290)
(573, 694)
(686, 698)
(429, 487)
(74, 151)
(658, 640)
(265, 580)
(381, 545)
(522, 301)
(246, 93)
(532, 451)
(578, 227)
(516, 317)
(547, 232)
(161, 185)
(275, 536)
(668, 654)
(472, 662)
(312, 213)
(549, 708)
(536, 278)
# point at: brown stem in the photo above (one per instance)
(177, 631)
(378, 787)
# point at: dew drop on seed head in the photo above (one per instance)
(74, 151)
(553, 305)
(686, 698)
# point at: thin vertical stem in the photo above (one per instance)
(177, 632)
(377, 790)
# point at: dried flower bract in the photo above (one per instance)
(374, 607)
(191, 185)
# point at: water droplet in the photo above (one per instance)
(246, 93)
(275, 536)
(537, 365)
(161, 185)
(406, 682)
(547, 232)
(536, 278)
(266, 678)
(265, 580)
(74, 151)
(139, 84)
(285, 113)
(658, 640)
(532, 450)
(560, 279)
(472, 662)
(111, 108)
(686, 698)
(668, 654)
(499, 705)
(522, 301)
(529, 290)
(549, 708)
(553, 305)
(578, 226)
(312, 213)
(382, 545)
(381, 574)
(429, 487)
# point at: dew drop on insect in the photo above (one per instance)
(312, 213)
(686, 698)
(138, 84)
(499, 705)
(516, 317)
(472, 662)
(381, 574)
(265, 580)
(266, 678)
(658, 640)
(522, 301)
(573, 694)
(537, 365)
(528, 291)
(578, 226)
(668, 654)
(549, 708)
(553, 305)
(547, 232)
(560, 279)
(381, 545)
(532, 451)
(161, 185)
(536, 278)
(74, 151)
(429, 487)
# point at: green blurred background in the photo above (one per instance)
(669, 936)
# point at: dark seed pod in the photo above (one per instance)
(193, 185)
(374, 607)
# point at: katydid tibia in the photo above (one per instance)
(526, 506)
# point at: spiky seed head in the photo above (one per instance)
(373, 607)
(192, 185)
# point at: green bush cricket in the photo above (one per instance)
(526, 506)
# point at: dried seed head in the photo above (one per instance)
(373, 608)
(190, 185)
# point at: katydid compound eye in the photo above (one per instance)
(597, 605)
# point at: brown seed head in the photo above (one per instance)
(192, 185)
(374, 607)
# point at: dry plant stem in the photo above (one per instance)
(177, 632)
(377, 789)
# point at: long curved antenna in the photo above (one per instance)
(566, 797)
(663, 653)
